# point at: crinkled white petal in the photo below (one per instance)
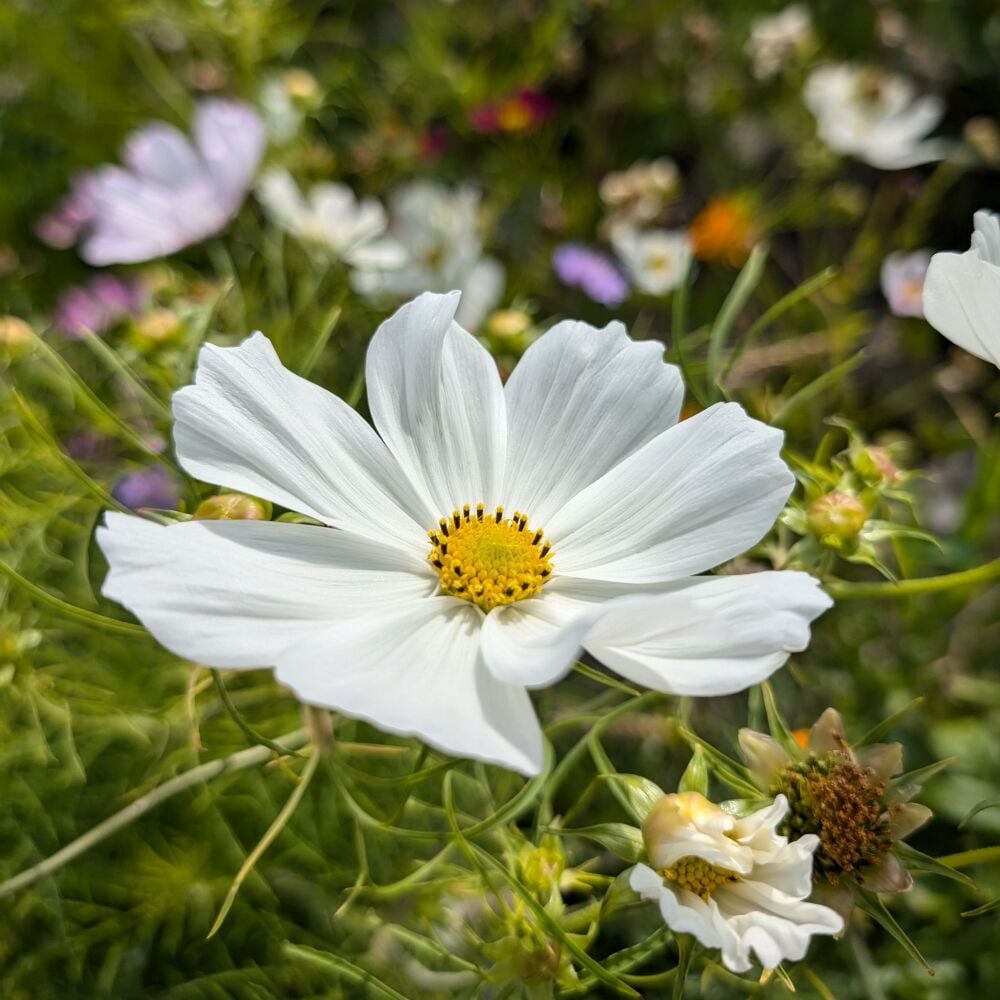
(579, 402)
(250, 424)
(415, 668)
(962, 301)
(711, 636)
(696, 495)
(436, 399)
(238, 593)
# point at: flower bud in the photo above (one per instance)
(837, 516)
(15, 335)
(875, 464)
(508, 323)
(156, 327)
(233, 507)
(542, 866)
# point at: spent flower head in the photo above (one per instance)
(847, 798)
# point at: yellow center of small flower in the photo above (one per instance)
(698, 876)
(489, 560)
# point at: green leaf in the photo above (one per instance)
(876, 909)
(776, 723)
(875, 734)
(746, 281)
(695, 776)
(916, 861)
(341, 968)
(979, 807)
(725, 768)
(621, 839)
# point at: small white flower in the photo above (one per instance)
(656, 259)
(331, 218)
(438, 229)
(639, 194)
(903, 281)
(434, 597)
(776, 37)
(874, 115)
(735, 884)
(962, 291)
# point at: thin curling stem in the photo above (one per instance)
(844, 591)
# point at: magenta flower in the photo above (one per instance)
(520, 112)
(96, 306)
(171, 192)
(593, 272)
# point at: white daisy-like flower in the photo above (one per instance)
(962, 291)
(477, 538)
(774, 38)
(656, 260)
(331, 219)
(439, 230)
(734, 883)
(875, 116)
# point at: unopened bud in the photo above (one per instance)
(875, 464)
(233, 507)
(837, 515)
(15, 334)
(508, 323)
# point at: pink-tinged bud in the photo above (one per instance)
(838, 515)
(233, 507)
(875, 463)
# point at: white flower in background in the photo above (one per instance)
(485, 532)
(735, 884)
(171, 194)
(874, 115)
(776, 37)
(284, 99)
(438, 228)
(638, 195)
(656, 260)
(903, 281)
(331, 219)
(962, 291)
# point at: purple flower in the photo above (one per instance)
(153, 487)
(98, 305)
(593, 272)
(61, 227)
(170, 193)
(903, 282)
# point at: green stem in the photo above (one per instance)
(141, 806)
(251, 734)
(843, 591)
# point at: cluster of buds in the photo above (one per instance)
(851, 798)
(847, 505)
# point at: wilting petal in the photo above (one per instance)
(415, 668)
(889, 876)
(827, 733)
(764, 755)
(579, 401)
(905, 817)
(696, 495)
(885, 759)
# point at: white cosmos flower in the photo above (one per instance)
(735, 884)
(962, 291)
(330, 218)
(874, 115)
(439, 230)
(430, 610)
(774, 38)
(656, 259)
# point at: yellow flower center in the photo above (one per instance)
(489, 560)
(698, 876)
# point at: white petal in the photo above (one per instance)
(436, 399)
(535, 642)
(962, 301)
(282, 200)
(643, 880)
(578, 402)
(712, 636)
(237, 593)
(414, 668)
(250, 424)
(693, 497)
